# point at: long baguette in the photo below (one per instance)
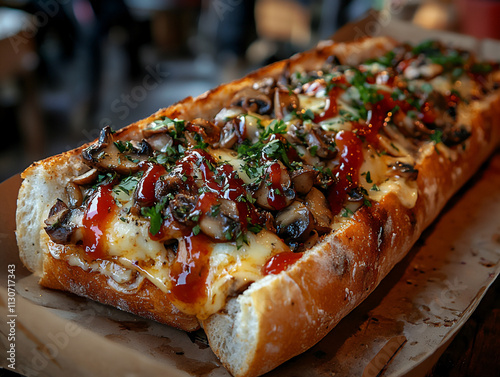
(280, 315)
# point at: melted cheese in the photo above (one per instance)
(384, 180)
(232, 268)
(231, 157)
(313, 103)
(130, 238)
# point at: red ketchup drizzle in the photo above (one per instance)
(189, 271)
(280, 262)
(379, 115)
(331, 108)
(427, 114)
(230, 188)
(276, 198)
(403, 65)
(199, 157)
(171, 228)
(347, 173)
(96, 219)
(145, 193)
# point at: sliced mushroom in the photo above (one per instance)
(57, 227)
(312, 240)
(222, 223)
(455, 136)
(182, 208)
(155, 128)
(316, 202)
(295, 222)
(208, 131)
(403, 170)
(252, 100)
(229, 134)
(160, 141)
(273, 195)
(319, 143)
(120, 157)
(303, 179)
(285, 102)
(86, 178)
(227, 113)
(269, 223)
(317, 147)
(355, 195)
(75, 197)
(170, 183)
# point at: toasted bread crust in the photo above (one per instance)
(281, 315)
(295, 309)
(148, 301)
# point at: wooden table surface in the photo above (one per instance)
(475, 351)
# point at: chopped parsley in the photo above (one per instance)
(196, 229)
(154, 215)
(346, 212)
(481, 68)
(124, 146)
(436, 136)
(367, 177)
(128, 185)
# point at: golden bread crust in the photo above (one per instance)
(148, 301)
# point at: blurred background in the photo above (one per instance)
(70, 67)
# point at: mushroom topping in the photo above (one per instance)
(316, 146)
(155, 128)
(295, 222)
(407, 171)
(316, 202)
(86, 178)
(355, 195)
(121, 157)
(208, 131)
(182, 208)
(75, 196)
(274, 192)
(252, 101)
(160, 141)
(229, 134)
(303, 179)
(318, 142)
(285, 102)
(172, 182)
(222, 221)
(455, 136)
(312, 240)
(58, 228)
(226, 114)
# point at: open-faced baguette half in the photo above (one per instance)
(267, 320)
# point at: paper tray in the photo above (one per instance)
(401, 329)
